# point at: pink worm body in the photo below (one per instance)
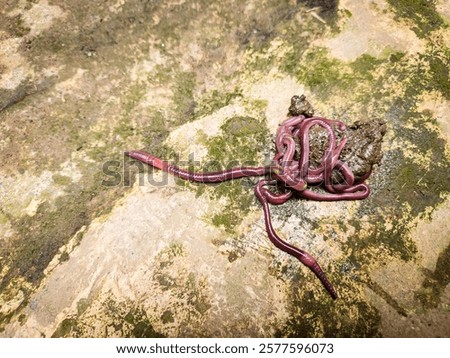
(295, 175)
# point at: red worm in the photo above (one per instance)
(301, 255)
(209, 177)
(294, 175)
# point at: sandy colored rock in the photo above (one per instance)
(93, 244)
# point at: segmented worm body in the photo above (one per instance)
(210, 177)
(290, 173)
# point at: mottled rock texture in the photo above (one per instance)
(92, 244)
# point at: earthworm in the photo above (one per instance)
(291, 171)
(209, 177)
(304, 257)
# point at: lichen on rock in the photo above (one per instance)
(94, 245)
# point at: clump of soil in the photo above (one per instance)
(363, 147)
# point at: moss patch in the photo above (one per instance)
(188, 292)
(421, 14)
(124, 319)
(167, 317)
(141, 325)
(325, 75)
(242, 139)
(129, 320)
(15, 26)
(241, 143)
(439, 70)
(67, 328)
(311, 316)
(183, 97)
(215, 100)
(435, 282)
(42, 235)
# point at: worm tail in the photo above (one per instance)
(304, 257)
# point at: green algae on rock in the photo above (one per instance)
(82, 102)
(420, 14)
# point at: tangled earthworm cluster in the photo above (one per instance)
(291, 164)
(290, 173)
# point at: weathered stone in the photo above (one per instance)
(90, 247)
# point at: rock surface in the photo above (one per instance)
(92, 244)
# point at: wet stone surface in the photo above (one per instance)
(93, 244)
